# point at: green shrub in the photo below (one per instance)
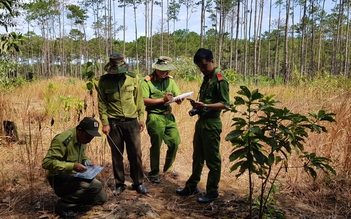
(265, 136)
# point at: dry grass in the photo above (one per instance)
(21, 162)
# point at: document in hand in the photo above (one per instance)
(181, 96)
(90, 173)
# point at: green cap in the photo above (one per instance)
(164, 63)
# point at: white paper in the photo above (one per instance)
(181, 96)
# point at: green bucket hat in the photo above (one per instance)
(117, 65)
(164, 63)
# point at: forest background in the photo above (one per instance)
(305, 61)
(303, 41)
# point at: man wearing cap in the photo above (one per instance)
(66, 157)
(158, 88)
(121, 110)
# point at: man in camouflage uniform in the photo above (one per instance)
(158, 88)
(64, 159)
(213, 98)
(121, 109)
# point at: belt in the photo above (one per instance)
(208, 117)
(122, 119)
(161, 113)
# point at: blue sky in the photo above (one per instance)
(194, 22)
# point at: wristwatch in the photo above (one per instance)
(205, 106)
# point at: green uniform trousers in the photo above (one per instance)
(75, 192)
(160, 128)
(206, 148)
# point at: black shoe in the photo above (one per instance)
(208, 198)
(140, 189)
(118, 190)
(187, 191)
(69, 214)
(155, 179)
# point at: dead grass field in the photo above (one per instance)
(24, 192)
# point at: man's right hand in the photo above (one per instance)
(79, 167)
(106, 129)
(167, 97)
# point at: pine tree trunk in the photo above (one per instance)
(286, 48)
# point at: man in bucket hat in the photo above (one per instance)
(158, 88)
(116, 59)
(66, 157)
(121, 109)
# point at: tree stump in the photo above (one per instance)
(10, 131)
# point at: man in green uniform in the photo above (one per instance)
(64, 159)
(159, 88)
(213, 98)
(121, 108)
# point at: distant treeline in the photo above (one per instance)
(318, 44)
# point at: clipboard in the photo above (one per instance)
(90, 173)
(180, 96)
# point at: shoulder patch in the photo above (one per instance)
(219, 77)
(148, 78)
(67, 140)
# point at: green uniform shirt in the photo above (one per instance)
(65, 150)
(155, 89)
(120, 98)
(214, 90)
